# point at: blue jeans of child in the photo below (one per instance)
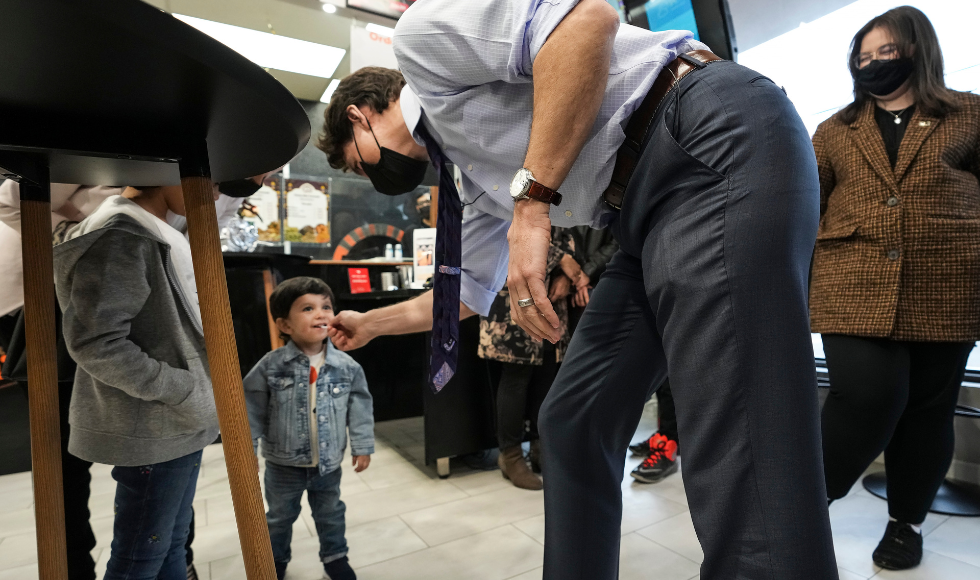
(284, 487)
(153, 513)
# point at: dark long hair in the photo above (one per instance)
(910, 28)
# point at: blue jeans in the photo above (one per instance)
(284, 487)
(153, 513)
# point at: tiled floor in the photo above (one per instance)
(404, 523)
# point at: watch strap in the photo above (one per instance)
(541, 193)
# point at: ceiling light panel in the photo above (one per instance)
(271, 50)
(329, 92)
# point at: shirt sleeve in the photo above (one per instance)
(446, 46)
(485, 255)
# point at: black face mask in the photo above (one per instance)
(394, 173)
(239, 187)
(883, 77)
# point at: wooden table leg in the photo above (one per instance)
(226, 378)
(42, 370)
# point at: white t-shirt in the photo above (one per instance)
(180, 254)
(316, 361)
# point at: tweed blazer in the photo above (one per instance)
(898, 250)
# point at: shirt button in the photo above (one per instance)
(893, 254)
(469, 168)
(496, 187)
(323, 445)
(892, 201)
(336, 390)
(568, 213)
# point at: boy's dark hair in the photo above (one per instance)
(373, 86)
(289, 291)
(911, 29)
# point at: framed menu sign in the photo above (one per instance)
(307, 205)
(262, 211)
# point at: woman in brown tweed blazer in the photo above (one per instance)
(896, 273)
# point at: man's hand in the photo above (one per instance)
(360, 462)
(529, 238)
(348, 330)
(561, 287)
(581, 298)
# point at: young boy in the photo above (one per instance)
(302, 399)
(142, 398)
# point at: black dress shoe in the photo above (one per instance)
(281, 570)
(899, 549)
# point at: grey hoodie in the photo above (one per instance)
(142, 389)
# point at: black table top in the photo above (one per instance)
(111, 92)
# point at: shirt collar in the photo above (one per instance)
(411, 111)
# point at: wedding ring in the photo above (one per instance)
(525, 302)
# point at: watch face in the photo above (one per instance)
(520, 184)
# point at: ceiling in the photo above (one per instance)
(302, 19)
(755, 21)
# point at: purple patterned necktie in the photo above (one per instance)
(445, 284)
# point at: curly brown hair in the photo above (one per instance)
(373, 86)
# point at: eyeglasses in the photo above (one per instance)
(887, 52)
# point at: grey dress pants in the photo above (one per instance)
(716, 235)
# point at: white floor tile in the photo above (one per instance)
(392, 501)
(382, 474)
(934, 567)
(494, 555)
(957, 538)
(381, 540)
(532, 575)
(17, 522)
(637, 555)
(676, 534)
(28, 572)
(847, 575)
(533, 527)
(17, 551)
(478, 482)
(459, 519)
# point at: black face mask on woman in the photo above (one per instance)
(883, 77)
(394, 173)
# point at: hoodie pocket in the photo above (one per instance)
(197, 412)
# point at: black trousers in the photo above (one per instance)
(896, 397)
(76, 478)
(716, 234)
(666, 413)
(521, 391)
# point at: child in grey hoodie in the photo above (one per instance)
(142, 398)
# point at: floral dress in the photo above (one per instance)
(501, 339)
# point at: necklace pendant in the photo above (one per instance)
(898, 120)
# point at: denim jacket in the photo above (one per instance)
(277, 393)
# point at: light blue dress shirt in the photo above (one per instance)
(469, 65)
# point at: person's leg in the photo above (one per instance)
(723, 210)
(284, 487)
(79, 538)
(921, 448)
(190, 540)
(512, 403)
(612, 365)
(666, 413)
(331, 527)
(869, 388)
(541, 381)
(149, 502)
(175, 565)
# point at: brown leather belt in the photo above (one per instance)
(639, 124)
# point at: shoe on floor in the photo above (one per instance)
(339, 570)
(281, 570)
(514, 468)
(899, 549)
(192, 572)
(642, 449)
(661, 462)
